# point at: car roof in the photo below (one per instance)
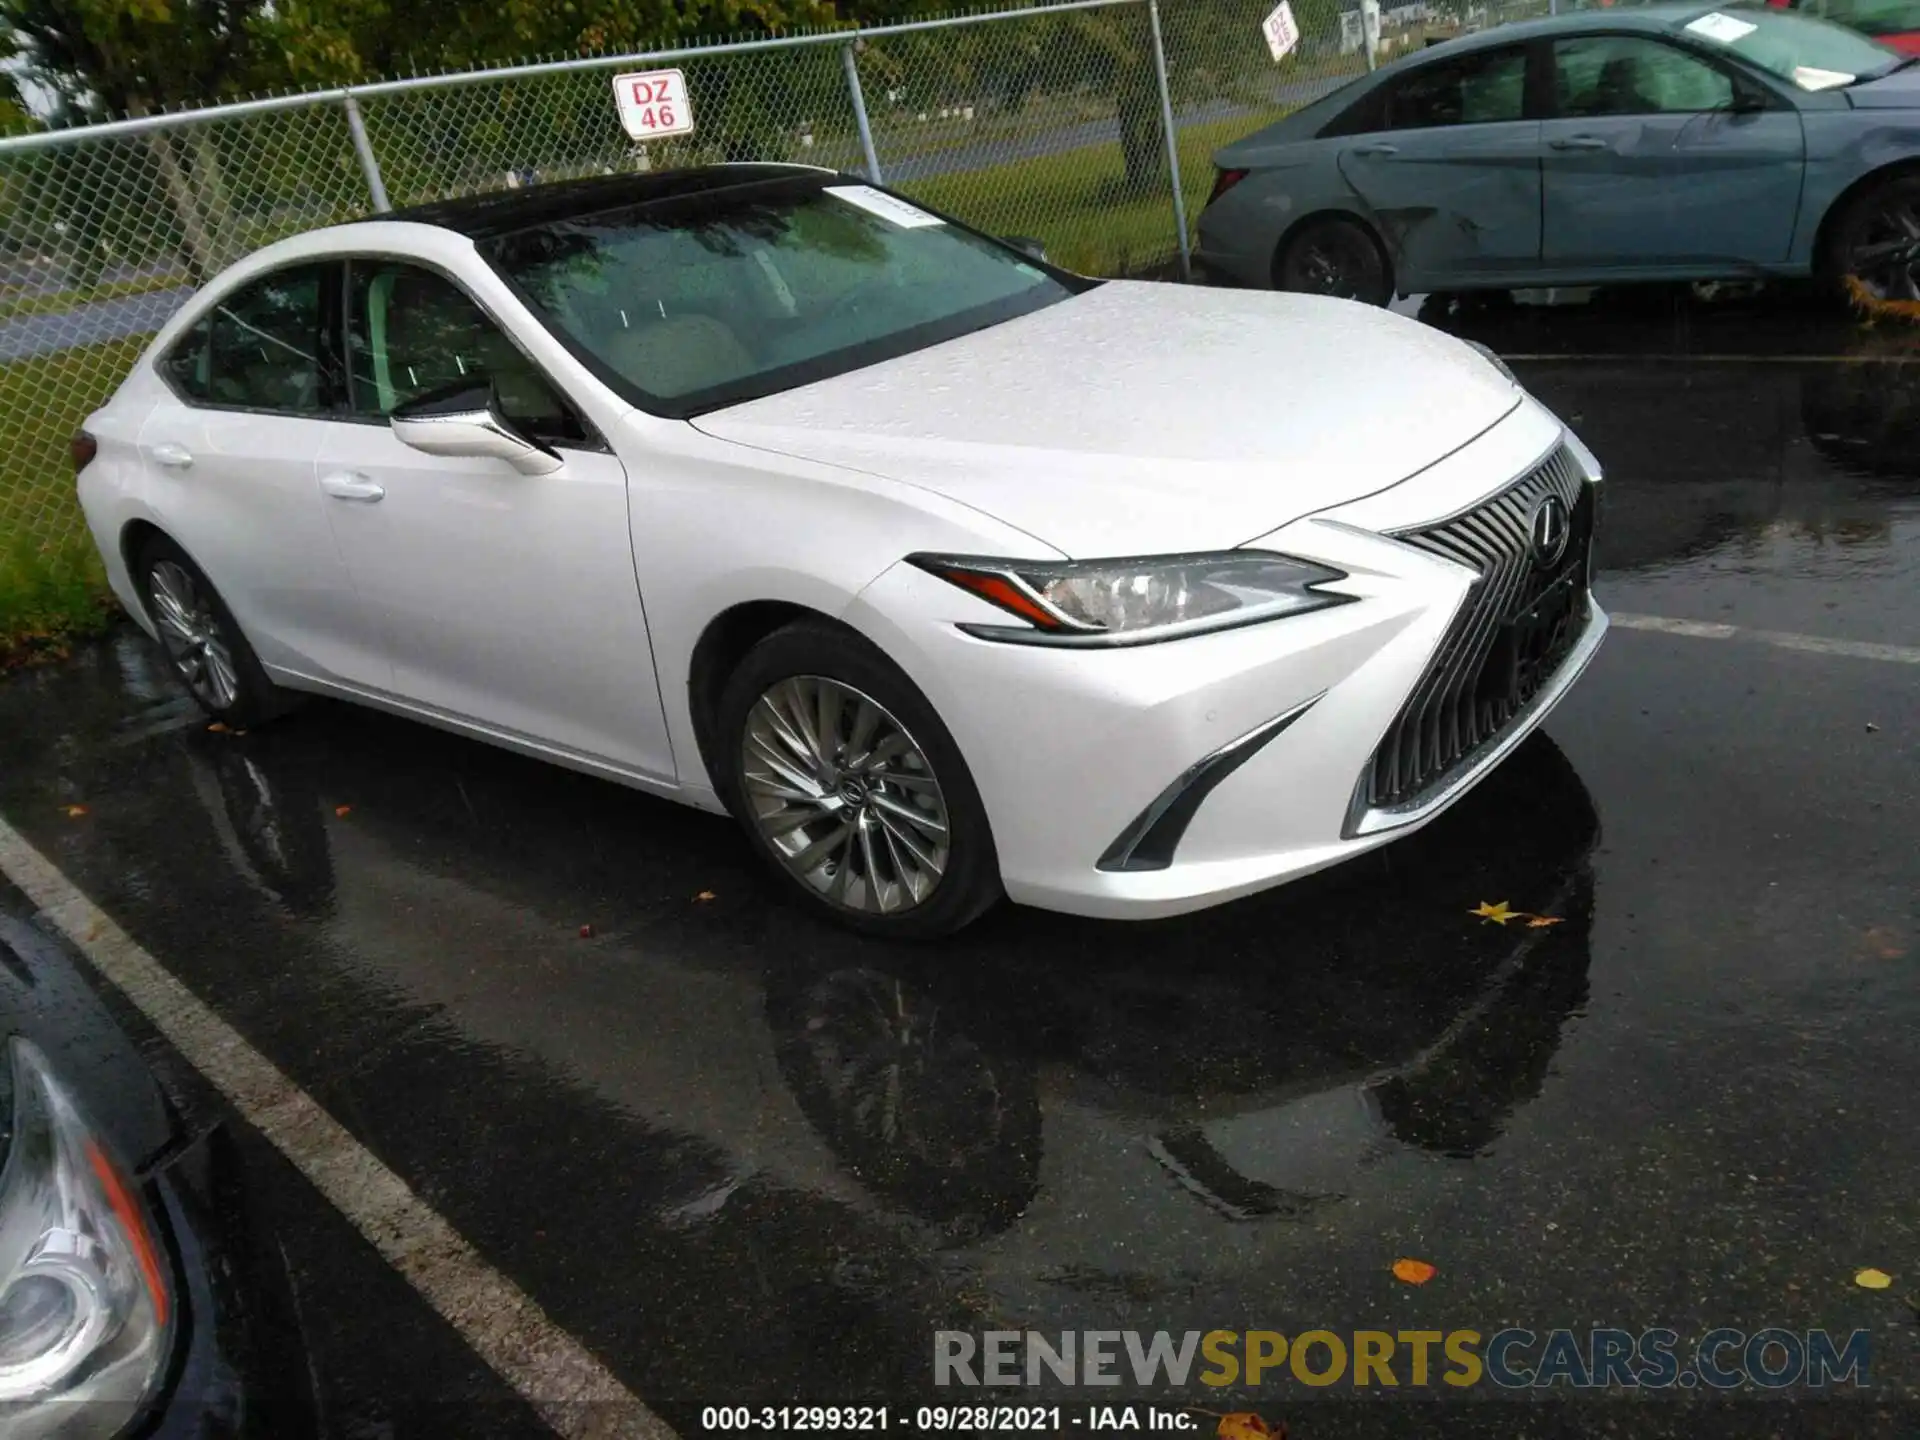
(500, 212)
(1629, 18)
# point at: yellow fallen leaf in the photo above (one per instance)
(74, 812)
(1541, 922)
(1499, 914)
(704, 896)
(342, 811)
(1884, 942)
(218, 727)
(1414, 1272)
(1245, 1425)
(1871, 1279)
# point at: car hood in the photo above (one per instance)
(1142, 418)
(1898, 91)
(45, 1000)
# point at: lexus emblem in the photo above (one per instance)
(1549, 529)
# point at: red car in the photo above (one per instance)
(1894, 23)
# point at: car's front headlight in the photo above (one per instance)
(1131, 602)
(84, 1290)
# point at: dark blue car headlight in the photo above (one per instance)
(85, 1295)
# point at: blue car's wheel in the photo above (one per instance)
(1874, 246)
(1335, 256)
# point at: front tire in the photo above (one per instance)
(1872, 254)
(851, 788)
(1335, 256)
(202, 639)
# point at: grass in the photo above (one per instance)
(52, 589)
(1078, 202)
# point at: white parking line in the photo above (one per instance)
(573, 1392)
(1784, 639)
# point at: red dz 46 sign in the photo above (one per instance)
(653, 104)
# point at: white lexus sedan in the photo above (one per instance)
(948, 573)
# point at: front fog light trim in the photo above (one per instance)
(1155, 833)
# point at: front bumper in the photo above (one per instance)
(1069, 749)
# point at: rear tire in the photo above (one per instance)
(202, 639)
(1338, 257)
(1875, 241)
(851, 788)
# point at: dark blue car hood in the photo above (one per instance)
(1898, 91)
(44, 998)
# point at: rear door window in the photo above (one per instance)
(262, 348)
(1482, 88)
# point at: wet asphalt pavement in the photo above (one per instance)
(1692, 1103)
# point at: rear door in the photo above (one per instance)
(1654, 160)
(1450, 167)
(229, 457)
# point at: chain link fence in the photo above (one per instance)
(1061, 123)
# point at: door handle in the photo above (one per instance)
(1379, 147)
(1577, 142)
(174, 457)
(346, 485)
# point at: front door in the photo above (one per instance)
(509, 599)
(1452, 170)
(1658, 158)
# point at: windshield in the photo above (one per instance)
(1869, 17)
(1810, 53)
(707, 300)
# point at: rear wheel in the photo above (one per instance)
(1335, 256)
(1873, 250)
(209, 654)
(849, 785)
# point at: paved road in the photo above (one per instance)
(26, 335)
(747, 1159)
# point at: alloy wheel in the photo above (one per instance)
(844, 795)
(1885, 254)
(190, 629)
(1324, 269)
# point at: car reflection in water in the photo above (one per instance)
(1792, 425)
(1260, 1063)
(1045, 1099)
(1864, 414)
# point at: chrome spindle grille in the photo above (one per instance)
(1499, 652)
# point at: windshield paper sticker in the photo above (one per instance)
(1723, 28)
(893, 211)
(1808, 78)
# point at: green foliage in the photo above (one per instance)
(129, 57)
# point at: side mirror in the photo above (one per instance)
(468, 422)
(1027, 245)
(1748, 102)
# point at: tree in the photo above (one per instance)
(342, 41)
(131, 57)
